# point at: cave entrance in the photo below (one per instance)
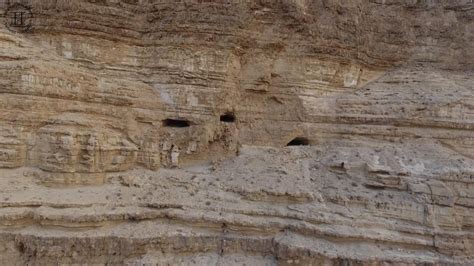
(228, 118)
(299, 141)
(176, 123)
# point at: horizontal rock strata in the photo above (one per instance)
(289, 132)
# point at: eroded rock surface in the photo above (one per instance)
(289, 132)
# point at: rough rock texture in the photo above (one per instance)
(154, 132)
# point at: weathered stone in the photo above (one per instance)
(135, 132)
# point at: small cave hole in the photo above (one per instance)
(228, 118)
(176, 123)
(299, 141)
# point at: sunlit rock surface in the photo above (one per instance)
(287, 132)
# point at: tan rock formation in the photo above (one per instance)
(155, 132)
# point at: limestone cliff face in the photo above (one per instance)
(154, 131)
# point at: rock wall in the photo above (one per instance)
(156, 132)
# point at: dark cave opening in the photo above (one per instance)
(228, 118)
(299, 141)
(176, 123)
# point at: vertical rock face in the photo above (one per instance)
(237, 132)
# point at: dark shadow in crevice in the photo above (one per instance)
(228, 118)
(176, 123)
(299, 141)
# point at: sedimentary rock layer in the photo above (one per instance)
(156, 132)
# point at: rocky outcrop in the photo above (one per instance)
(164, 132)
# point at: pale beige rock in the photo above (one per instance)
(155, 132)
